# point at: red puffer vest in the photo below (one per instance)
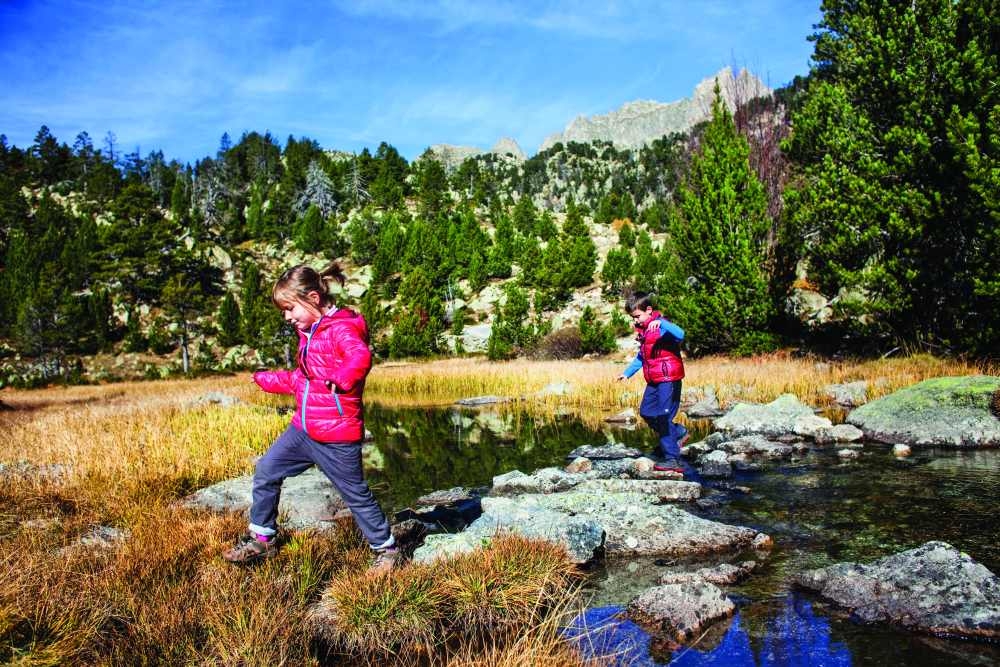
(661, 356)
(336, 352)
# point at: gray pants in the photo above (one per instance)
(292, 454)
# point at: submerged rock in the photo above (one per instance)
(944, 411)
(481, 400)
(934, 589)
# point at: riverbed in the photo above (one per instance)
(819, 509)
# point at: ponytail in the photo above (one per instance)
(334, 271)
(297, 282)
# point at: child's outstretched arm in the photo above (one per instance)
(632, 368)
(276, 382)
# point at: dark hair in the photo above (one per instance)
(638, 301)
(295, 283)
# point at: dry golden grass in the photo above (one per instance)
(126, 452)
(759, 378)
(499, 604)
(120, 456)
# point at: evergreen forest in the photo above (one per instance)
(854, 211)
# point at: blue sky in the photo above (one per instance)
(174, 76)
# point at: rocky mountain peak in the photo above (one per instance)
(641, 121)
(505, 146)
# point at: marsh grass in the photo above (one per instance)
(594, 389)
(122, 455)
(499, 600)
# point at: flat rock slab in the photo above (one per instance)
(942, 412)
(680, 611)
(624, 524)
(308, 500)
(664, 489)
(597, 452)
(934, 589)
(481, 400)
(635, 524)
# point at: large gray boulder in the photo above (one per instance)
(782, 416)
(942, 412)
(625, 524)
(308, 500)
(934, 589)
(634, 523)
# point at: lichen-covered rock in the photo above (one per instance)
(934, 589)
(777, 418)
(943, 412)
(715, 464)
(578, 465)
(613, 451)
(848, 394)
(546, 480)
(723, 574)
(680, 611)
(308, 500)
(665, 490)
(628, 523)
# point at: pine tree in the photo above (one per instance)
(595, 336)
(721, 244)
(897, 139)
(309, 231)
(228, 321)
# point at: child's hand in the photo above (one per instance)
(621, 378)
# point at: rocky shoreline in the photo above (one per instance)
(608, 504)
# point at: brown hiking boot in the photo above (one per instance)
(385, 560)
(248, 549)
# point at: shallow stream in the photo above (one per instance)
(819, 510)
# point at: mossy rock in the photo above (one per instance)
(940, 412)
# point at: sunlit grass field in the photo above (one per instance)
(121, 455)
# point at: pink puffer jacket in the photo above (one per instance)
(334, 360)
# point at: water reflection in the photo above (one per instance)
(419, 450)
(794, 636)
(819, 509)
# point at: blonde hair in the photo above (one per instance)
(296, 283)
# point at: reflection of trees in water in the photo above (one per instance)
(877, 506)
(426, 449)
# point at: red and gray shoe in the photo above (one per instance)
(669, 465)
(251, 549)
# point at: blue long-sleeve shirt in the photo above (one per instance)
(667, 328)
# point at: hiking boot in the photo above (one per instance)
(249, 549)
(385, 560)
(669, 465)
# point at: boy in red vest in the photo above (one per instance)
(659, 357)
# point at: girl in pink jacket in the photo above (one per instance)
(328, 424)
